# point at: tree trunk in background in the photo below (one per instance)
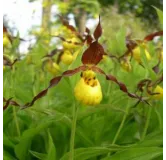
(80, 19)
(46, 15)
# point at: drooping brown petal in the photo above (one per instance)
(14, 62)
(120, 84)
(11, 38)
(60, 37)
(150, 37)
(123, 87)
(9, 102)
(40, 95)
(52, 53)
(7, 61)
(97, 70)
(143, 83)
(148, 84)
(149, 91)
(59, 57)
(74, 71)
(93, 54)
(53, 82)
(98, 31)
(63, 39)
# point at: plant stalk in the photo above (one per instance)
(159, 118)
(147, 123)
(73, 130)
(14, 109)
(121, 125)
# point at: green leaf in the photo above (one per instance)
(7, 156)
(38, 155)
(153, 139)
(121, 40)
(86, 153)
(7, 142)
(144, 153)
(21, 149)
(160, 14)
(51, 149)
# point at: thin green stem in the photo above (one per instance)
(16, 121)
(14, 109)
(159, 118)
(108, 90)
(73, 130)
(147, 123)
(121, 125)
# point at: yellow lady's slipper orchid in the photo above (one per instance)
(158, 90)
(125, 64)
(72, 44)
(6, 41)
(52, 67)
(88, 89)
(67, 57)
(137, 54)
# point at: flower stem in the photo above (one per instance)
(121, 125)
(159, 118)
(73, 130)
(14, 109)
(16, 121)
(147, 123)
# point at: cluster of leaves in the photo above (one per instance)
(119, 127)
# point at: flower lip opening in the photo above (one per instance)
(88, 89)
(89, 78)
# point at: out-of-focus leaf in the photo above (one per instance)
(160, 14)
(51, 155)
(86, 153)
(21, 149)
(142, 153)
(38, 155)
